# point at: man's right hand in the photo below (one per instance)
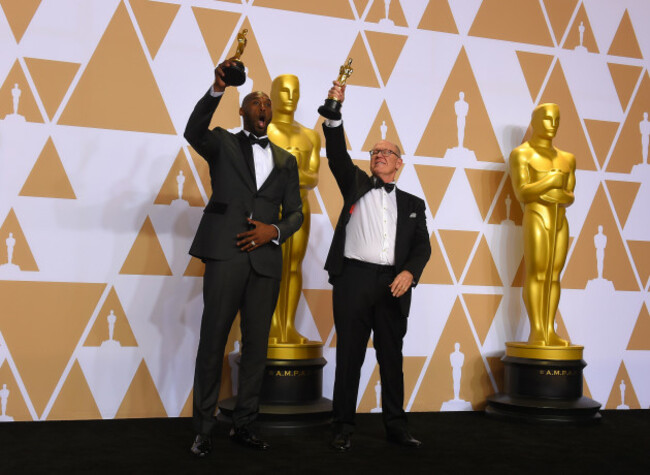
(219, 84)
(337, 92)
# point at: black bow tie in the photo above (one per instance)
(262, 142)
(379, 183)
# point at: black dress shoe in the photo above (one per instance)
(341, 442)
(202, 445)
(244, 436)
(403, 438)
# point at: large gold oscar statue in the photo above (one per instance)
(543, 178)
(542, 378)
(284, 340)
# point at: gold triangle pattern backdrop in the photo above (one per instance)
(100, 195)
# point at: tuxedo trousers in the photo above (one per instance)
(363, 303)
(228, 287)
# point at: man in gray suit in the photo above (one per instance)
(239, 239)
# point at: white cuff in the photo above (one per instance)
(214, 93)
(332, 123)
(276, 240)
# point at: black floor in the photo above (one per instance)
(454, 443)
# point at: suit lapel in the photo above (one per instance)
(402, 212)
(247, 152)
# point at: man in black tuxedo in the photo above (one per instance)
(239, 240)
(380, 247)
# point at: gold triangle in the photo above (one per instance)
(582, 265)
(22, 255)
(364, 74)
(434, 181)
(130, 98)
(48, 178)
(75, 401)
(602, 134)
(318, 128)
(483, 270)
(122, 332)
(16, 406)
(320, 306)
(52, 80)
(482, 309)
(49, 326)
(142, 398)
(154, 19)
(535, 68)
(216, 27)
(19, 15)
(628, 151)
(614, 399)
(436, 271)
(570, 136)
(146, 256)
(559, 14)
(195, 268)
(16, 86)
(458, 245)
(333, 8)
(520, 275)
(494, 20)
(441, 133)
(639, 339)
(180, 172)
(625, 78)
(386, 49)
(377, 13)
(640, 251)
(437, 383)
(484, 184)
(361, 5)
(588, 38)
(383, 119)
(623, 194)
(625, 42)
(438, 17)
(330, 193)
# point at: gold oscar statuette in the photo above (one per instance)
(285, 342)
(235, 74)
(543, 178)
(331, 109)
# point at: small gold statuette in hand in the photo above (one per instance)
(331, 109)
(235, 74)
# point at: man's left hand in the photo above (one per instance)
(256, 237)
(401, 284)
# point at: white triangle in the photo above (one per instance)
(637, 363)
(431, 305)
(109, 372)
(166, 326)
(458, 209)
(602, 322)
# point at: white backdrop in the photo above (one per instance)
(94, 97)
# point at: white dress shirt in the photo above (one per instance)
(370, 233)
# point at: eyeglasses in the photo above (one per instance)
(384, 152)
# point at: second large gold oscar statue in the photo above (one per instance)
(543, 376)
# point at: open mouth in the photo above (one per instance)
(261, 121)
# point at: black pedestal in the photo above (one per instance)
(291, 396)
(543, 391)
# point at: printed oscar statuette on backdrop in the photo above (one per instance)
(235, 74)
(331, 109)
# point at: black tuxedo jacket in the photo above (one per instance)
(412, 246)
(235, 196)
